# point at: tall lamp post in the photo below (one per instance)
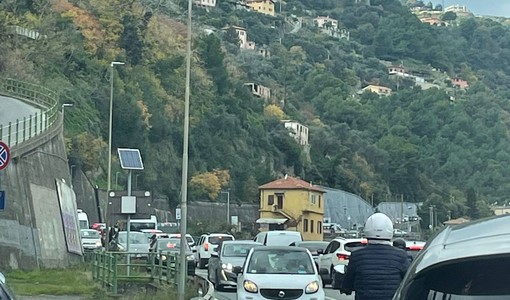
(63, 109)
(109, 185)
(228, 205)
(184, 184)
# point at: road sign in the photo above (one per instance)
(5, 155)
(2, 200)
(177, 213)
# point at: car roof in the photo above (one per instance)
(348, 240)
(218, 234)
(483, 237)
(244, 242)
(311, 243)
(286, 248)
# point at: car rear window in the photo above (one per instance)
(217, 239)
(467, 279)
(353, 246)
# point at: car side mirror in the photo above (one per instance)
(214, 254)
(237, 270)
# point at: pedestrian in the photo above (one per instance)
(401, 244)
(376, 270)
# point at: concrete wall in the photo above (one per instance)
(85, 195)
(345, 208)
(31, 231)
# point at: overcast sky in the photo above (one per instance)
(481, 7)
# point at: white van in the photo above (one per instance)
(144, 224)
(278, 237)
(83, 219)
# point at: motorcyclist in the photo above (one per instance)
(401, 244)
(376, 270)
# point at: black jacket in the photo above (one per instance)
(375, 272)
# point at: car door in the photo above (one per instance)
(330, 257)
(323, 257)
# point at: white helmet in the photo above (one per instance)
(378, 227)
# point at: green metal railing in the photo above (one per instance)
(21, 130)
(111, 268)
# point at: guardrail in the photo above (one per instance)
(47, 100)
(112, 268)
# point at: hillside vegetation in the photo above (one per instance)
(430, 145)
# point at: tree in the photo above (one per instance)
(471, 203)
(449, 16)
(274, 111)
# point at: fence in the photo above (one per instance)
(112, 268)
(23, 129)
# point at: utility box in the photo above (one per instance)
(128, 205)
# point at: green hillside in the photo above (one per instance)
(429, 145)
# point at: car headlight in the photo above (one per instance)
(190, 257)
(163, 257)
(227, 267)
(250, 286)
(98, 244)
(312, 287)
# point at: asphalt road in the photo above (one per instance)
(12, 109)
(231, 294)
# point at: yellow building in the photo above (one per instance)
(290, 203)
(262, 6)
(380, 90)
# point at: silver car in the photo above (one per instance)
(138, 243)
(90, 239)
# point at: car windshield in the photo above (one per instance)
(90, 234)
(280, 262)
(459, 281)
(217, 239)
(189, 239)
(236, 250)
(134, 238)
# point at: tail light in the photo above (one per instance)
(415, 247)
(341, 256)
(206, 246)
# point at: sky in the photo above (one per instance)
(500, 8)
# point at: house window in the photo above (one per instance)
(270, 200)
(319, 201)
(305, 225)
(313, 198)
(279, 199)
(311, 226)
(319, 227)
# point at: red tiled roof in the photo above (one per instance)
(290, 183)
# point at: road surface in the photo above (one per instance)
(231, 294)
(12, 110)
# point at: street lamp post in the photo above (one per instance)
(228, 205)
(64, 106)
(117, 179)
(109, 184)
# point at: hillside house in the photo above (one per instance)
(433, 21)
(326, 22)
(261, 6)
(291, 203)
(259, 90)
(205, 3)
(460, 83)
(297, 131)
(397, 70)
(459, 10)
(379, 90)
(243, 38)
(264, 51)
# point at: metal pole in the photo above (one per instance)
(128, 229)
(110, 133)
(228, 207)
(184, 188)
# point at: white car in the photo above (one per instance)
(90, 239)
(337, 253)
(279, 272)
(207, 245)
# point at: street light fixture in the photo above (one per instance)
(64, 106)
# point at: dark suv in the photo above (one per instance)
(462, 262)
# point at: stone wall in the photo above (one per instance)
(31, 231)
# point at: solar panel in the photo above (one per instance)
(130, 159)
